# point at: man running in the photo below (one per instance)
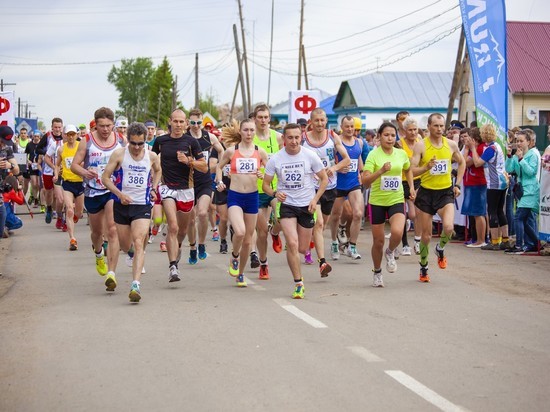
(325, 143)
(180, 156)
(432, 158)
(91, 157)
(137, 174)
(296, 168)
(271, 141)
(202, 184)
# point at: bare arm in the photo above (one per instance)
(114, 164)
(345, 162)
(78, 161)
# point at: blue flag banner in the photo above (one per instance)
(484, 24)
(30, 124)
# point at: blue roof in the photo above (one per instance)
(407, 90)
(328, 104)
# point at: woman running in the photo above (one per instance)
(245, 160)
(382, 172)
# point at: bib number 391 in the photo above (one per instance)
(440, 167)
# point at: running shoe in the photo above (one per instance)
(325, 269)
(241, 283)
(59, 223)
(277, 243)
(215, 234)
(129, 261)
(491, 246)
(377, 280)
(43, 210)
(307, 258)
(163, 246)
(134, 295)
(416, 247)
(64, 227)
(334, 251)
(342, 236)
(155, 230)
(264, 272)
(505, 245)
(110, 282)
(101, 265)
(173, 274)
(407, 225)
(202, 252)
(193, 257)
(424, 277)
(311, 244)
(73, 245)
(48, 216)
(514, 251)
(254, 260)
(298, 291)
(234, 266)
(352, 252)
(75, 219)
(223, 247)
(391, 265)
(477, 245)
(406, 251)
(441, 259)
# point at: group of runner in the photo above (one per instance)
(261, 182)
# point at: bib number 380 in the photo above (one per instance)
(390, 183)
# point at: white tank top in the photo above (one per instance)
(134, 178)
(326, 153)
(96, 159)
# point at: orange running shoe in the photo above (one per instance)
(312, 244)
(325, 269)
(424, 277)
(277, 244)
(441, 259)
(73, 245)
(264, 272)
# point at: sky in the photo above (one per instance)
(60, 52)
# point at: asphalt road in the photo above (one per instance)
(477, 338)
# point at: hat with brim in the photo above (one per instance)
(6, 133)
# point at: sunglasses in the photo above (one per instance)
(136, 143)
(194, 122)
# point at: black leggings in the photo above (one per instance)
(496, 199)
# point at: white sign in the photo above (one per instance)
(544, 217)
(302, 103)
(7, 109)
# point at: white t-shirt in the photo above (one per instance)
(296, 174)
(51, 151)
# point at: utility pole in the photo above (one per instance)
(175, 93)
(241, 79)
(2, 84)
(456, 79)
(245, 58)
(305, 68)
(270, 51)
(464, 88)
(300, 46)
(234, 99)
(196, 80)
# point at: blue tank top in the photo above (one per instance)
(349, 180)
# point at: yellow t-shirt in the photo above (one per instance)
(439, 176)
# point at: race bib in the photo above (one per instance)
(34, 166)
(135, 179)
(68, 162)
(206, 154)
(441, 167)
(292, 175)
(246, 165)
(183, 195)
(390, 183)
(226, 170)
(353, 165)
(326, 162)
(97, 183)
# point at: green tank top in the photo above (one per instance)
(271, 146)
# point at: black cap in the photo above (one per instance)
(301, 121)
(6, 133)
(455, 124)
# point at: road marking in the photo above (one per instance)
(365, 354)
(311, 321)
(424, 392)
(254, 286)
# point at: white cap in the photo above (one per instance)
(121, 122)
(70, 128)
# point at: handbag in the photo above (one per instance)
(518, 188)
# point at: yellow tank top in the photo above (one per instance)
(67, 155)
(409, 152)
(271, 146)
(439, 176)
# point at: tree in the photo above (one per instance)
(206, 104)
(131, 80)
(160, 93)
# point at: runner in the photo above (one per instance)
(33, 166)
(151, 130)
(73, 187)
(180, 156)
(24, 177)
(89, 162)
(220, 200)
(432, 158)
(301, 183)
(407, 143)
(271, 141)
(383, 173)
(348, 187)
(325, 144)
(245, 159)
(136, 172)
(202, 186)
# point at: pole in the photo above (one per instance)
(305, 68)
(175, 93)
(241, 79)
(300, 46)
(196, 80)
(2, 84)
(19, 107)
(456, 79)
(234, 99)
(270, 52)
(464, 88)
(245, 58)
